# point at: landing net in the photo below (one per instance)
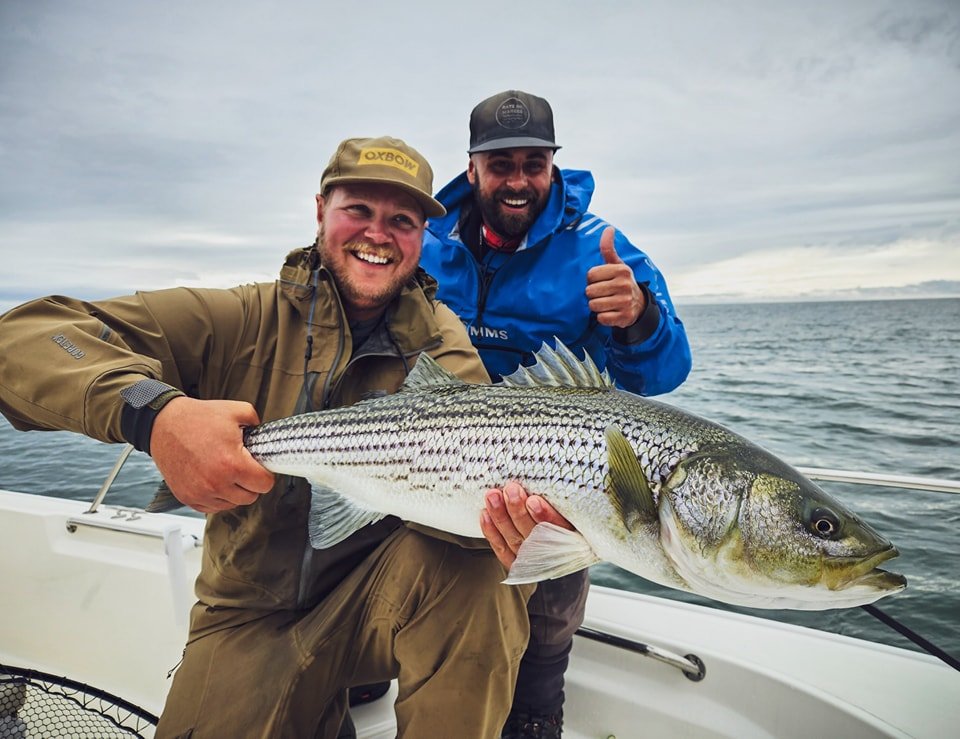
(35, 704)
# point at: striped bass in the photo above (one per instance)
(658, 491)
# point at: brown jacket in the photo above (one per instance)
(63, 363)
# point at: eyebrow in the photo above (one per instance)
(353, 199)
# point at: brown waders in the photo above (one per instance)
(419, 609)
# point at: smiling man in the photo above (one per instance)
(521, 260)
(371, 226)
(281, 630)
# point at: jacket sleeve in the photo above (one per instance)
(661, 360)
(63, 362)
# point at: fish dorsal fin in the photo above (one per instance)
(629, 490)
(427, 373)
(559, 368)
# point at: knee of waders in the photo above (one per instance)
(466, 590)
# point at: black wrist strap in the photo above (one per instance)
(644, 327)
(143, 402)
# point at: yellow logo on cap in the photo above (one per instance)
(390, 158)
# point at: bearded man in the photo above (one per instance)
(522, 261)
(281, 630)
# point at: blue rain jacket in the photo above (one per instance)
(512, 303)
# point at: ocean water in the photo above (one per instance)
(868, 386)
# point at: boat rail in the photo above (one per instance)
(690, 665)
(910, 482)
(102, 492)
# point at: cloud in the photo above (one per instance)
(825, 273)
(153, 144)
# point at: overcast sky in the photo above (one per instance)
(754, 149)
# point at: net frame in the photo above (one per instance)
(61, 695)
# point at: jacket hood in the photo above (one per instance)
(570, 196)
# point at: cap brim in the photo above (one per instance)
(431, 207)
(517, 142)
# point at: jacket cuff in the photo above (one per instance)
(143, 402)
(644, 327)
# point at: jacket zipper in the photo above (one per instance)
(486, 279)
(341, 340)
(304, 404)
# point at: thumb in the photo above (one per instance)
(607, 250)
(243, 413)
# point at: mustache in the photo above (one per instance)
(508, 192)
(377, 250)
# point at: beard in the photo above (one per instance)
(503, 221)
(366, 296)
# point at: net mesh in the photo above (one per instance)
(35, 704)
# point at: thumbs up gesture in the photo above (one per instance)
(612, 291)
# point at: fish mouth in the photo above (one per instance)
(865, 573)
(882, 580)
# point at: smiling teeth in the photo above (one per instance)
(515, 203)
(372, 258)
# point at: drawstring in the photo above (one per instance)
(308, 352)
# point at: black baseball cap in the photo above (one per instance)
(511, 120)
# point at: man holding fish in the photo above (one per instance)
(281, 629)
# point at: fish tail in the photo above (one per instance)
(163, 500)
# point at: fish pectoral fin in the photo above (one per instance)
(163, 500)
(333, 517)
(629, 490)
(550, 552)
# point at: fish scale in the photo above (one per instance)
(654, 489)
(476, 437)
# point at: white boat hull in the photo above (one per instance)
(102, 598)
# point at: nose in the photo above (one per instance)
(377, 231)
(517, 180)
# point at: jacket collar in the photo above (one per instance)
(307, 285)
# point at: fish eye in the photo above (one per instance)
(824, 523)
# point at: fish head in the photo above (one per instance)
(745, 528)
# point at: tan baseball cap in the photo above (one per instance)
(383, 160)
